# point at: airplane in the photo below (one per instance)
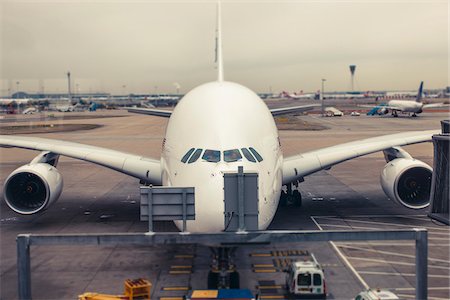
(8, 101)
(300, 95)
(404, 106)
(215, 128)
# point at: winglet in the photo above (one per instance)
(219, 59)
(419, 92)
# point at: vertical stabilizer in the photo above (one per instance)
(419, 92)
(219, 59)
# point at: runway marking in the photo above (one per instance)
(386, 223)
(429, 288)
(350, 227)
(176, 288)
(394, 262)
(272, 297)
(181, 267)
(266, 287)
(391, 253)
(265, 270)
(184, 256)
(406, 243)
(263, 265)
(178, 272)
(400, 274)
(344, 259)
(371, 216)
(380, 228)
(414, 297)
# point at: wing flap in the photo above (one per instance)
(150, 111)
(287, 110)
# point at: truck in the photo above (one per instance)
(376, 294)
(305, 279)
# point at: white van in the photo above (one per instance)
(376, 294)
(306, 279)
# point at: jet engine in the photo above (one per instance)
(32, 188)
(408, 182)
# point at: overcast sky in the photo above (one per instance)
(148, 46)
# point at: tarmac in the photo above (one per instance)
(97, 200)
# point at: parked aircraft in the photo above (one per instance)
(6, 101)
(297, 95)
(404, 106)
(215, 128)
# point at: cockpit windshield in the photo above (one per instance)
(248, 155)
(231, 155)
(256, 154)
(211, 156)
(195, 156)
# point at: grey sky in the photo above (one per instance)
(286, 45)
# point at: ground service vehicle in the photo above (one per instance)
(376, 294)
(305, 279)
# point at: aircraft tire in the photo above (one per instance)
(283, 198)
(297, 197)
(213, 279)
(234, 280)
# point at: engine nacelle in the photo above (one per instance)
(32, 188)
(408, 182)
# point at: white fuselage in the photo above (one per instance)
(406, 106)
(222, 116)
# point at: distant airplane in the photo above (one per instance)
(6, 101)
(403, 106)
(300, 95)
(214, 129)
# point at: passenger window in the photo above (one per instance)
(211, 155)
(231, 155)
(304, 279)
(186, 156)
(195, 156)
(256, 154)
(248, 155)
(317, 279)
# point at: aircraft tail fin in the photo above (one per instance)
(219, 59)
(419, 92)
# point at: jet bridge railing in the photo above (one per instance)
(25, 241)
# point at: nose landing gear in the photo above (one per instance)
(223, 274)
(292, 196)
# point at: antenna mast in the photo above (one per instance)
(219, 59)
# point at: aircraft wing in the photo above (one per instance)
(150, 111)
(287, 110)
(146, 169)
(435, 105)
(382, 106)
(297, 166)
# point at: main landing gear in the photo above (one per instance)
(292, 196)
(223, 274)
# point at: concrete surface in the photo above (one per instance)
(96, 199)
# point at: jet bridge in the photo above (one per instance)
(440, 198)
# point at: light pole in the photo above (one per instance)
(323, 96)
(17, 88)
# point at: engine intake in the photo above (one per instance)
(32, 188)
(408, 182)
